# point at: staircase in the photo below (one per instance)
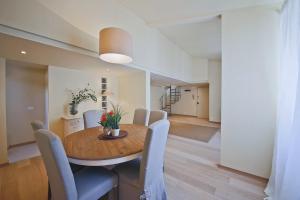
(171, 96)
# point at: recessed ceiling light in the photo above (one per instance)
(23, 52)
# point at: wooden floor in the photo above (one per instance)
(191, 173)
(23, 180)
(193, 120)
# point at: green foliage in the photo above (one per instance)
(84, 95)
(112, 118)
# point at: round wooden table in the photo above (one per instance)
(85, 148)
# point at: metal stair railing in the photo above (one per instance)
(170, 97)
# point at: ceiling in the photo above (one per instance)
(162, 12)
(197, 39)
(158, 80)
(25, 64)
(163, 81)
(193, 25)
(42, 54)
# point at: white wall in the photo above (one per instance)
(197, 72)
(133, 89)
(3, 136)
(187, 105)
(156, 93)
(249, 89)
(78, 23)
(25, 100)
(214, 80)
(62, 80)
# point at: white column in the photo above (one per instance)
(148, 90)
(3, 135)
(250, 61)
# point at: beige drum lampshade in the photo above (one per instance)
(115, 45)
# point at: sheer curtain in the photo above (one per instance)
(284, 183)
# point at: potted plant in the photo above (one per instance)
(81, 96)
(104, 123)
(111, 120)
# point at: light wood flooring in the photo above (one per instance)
(193, 120)
(191, 173)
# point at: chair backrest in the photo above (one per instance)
(91, 118)
(156, 115)
(153, 154)
(141, 116)
(37, 125)
(58, 168)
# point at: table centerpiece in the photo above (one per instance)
(110, 121)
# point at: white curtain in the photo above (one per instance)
(284, 183)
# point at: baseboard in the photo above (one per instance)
(174, 114)
(20, 144)
(259, 178)
(4, 164)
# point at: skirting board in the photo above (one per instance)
(4, 164)
(21, 144)
(261, 179)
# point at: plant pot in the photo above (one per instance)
(115, 132)
(107, 131)
(73, 108)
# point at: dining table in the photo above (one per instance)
(88, 147)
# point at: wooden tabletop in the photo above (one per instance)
(84, 147)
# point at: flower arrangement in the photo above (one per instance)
(111, 120)
(81, 96)
(84, 95)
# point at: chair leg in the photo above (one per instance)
(49, 191)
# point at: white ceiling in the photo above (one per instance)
(193, 25)
(42, 54)
(163, 81)
(185, 22)
(158, 80)
(159, 12)
(197, 39)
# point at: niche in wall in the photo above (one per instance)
(104, 98)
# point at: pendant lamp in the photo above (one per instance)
(115, 45)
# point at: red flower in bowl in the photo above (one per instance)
(103, 118)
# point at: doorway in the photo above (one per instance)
(203, 102)
(26, 100)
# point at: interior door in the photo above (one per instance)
(203, 102)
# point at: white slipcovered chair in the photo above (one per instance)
(37, 125)
(156, 115)
(144, 179)
(91, 118)
(141, 116)
(90, 183)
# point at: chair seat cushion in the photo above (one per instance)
(129, 172)
(94, 182)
